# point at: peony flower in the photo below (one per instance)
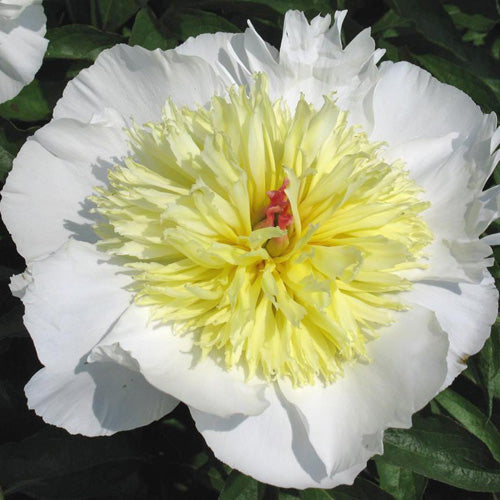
(22, 30)
(286, 241)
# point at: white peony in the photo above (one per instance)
(286, 241)
(22, 44)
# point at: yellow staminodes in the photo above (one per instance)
(187, 211)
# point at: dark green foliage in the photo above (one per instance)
(453, 449)
(438, 448)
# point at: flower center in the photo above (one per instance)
(277, 215)
(277, 239)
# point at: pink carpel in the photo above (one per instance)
(278, 210)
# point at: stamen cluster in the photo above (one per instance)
(276, 238)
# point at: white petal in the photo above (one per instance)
(10, 9)
(313, 61)
(233, 56)
(491, 239)
(446, 187)
(215, 50)
(97, 399)
(453, 261)
(74, 297)
(256, 55)
(44, 200)
(271, 447)
(465, 311)
(441, 135)
(488, 209)
(19, 283)
(452, 174)
(345, 420)
(171, 363)
(444, 140)
(136, 83)
(322, 436)
(449, 155)
(409, 104)
(22, 48)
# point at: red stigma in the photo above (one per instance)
(278, 211)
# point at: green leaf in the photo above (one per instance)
(486, 8)
(112, 14)
(192, 22)
(314, 494)
(53, 464)
(147, 33)
(76, 12)
(485, 366)
(5, 163)
(209, 471)
(11, 323)
(474, 22)
(392, 52)
(14, 414)
(389, 23)
(240, 487)
(432, 21)
(282, 6)
(475, 37)
(472, 419)
(251, 7)
(438, 448)
(496, 386)
(402, 484)
(8, 403)
(494, 347)
(6, 272)
(214, 476)
(360, 490)
(33, 103)
(460, 77)
(288, 494)
(78, 41)
(495, 49)
(11, 137)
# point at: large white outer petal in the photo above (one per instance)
(465, 311)
(96, 399)
(22, 45)
(71, 299)
(410, 104)
(44, 201)
(441, 135)
(271, 447)
(136, 83)
(171, 363)
(319, 436)
(447, 145)
(443, 138)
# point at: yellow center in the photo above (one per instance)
(187, 213)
